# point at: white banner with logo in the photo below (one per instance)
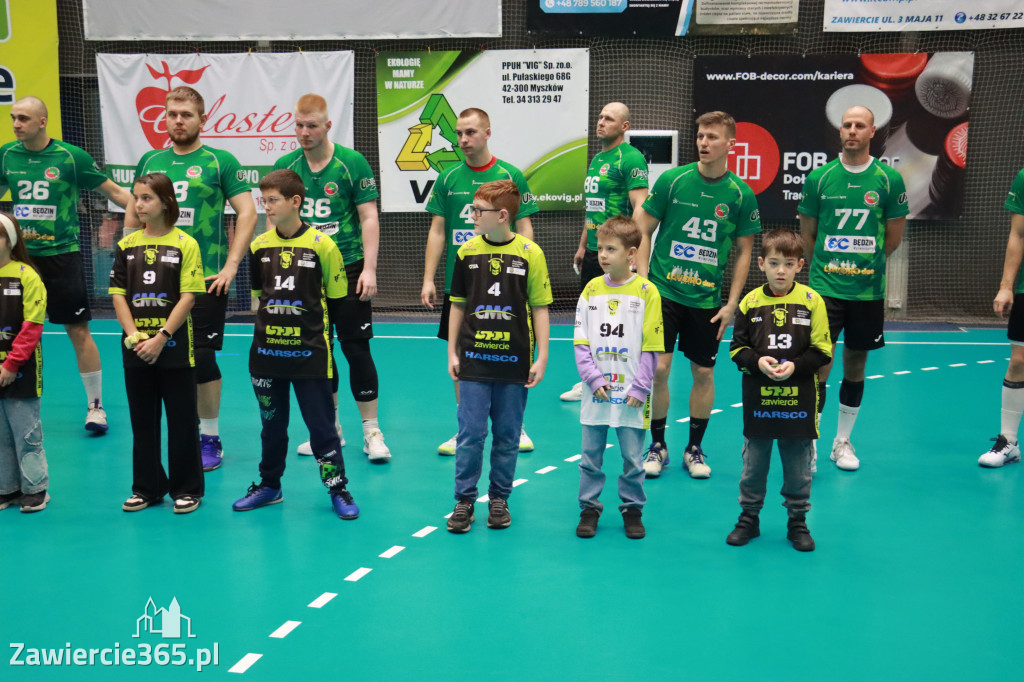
(537, 101)
(249, 103)
(933, 15)
(295, 20)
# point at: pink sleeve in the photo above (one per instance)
(23, 345)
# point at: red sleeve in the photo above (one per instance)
(23, 346)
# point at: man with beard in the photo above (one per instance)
(203, 179)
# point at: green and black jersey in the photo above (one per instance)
(497, 285)
(204, 180)
(611, 176)
(293, 280)
(44, 190)
(22, 299)
(852, 210)
(152, 273)
(1015, 204)
(793, 327)
(333, 195)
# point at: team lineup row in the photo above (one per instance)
(852, 216)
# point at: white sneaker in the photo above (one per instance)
(447, 447)
(655, 460)
(814, 456)
(1003, 452)
(525, 444)
(96, 418)
(374, 447)
(574, 394)
(307, 449)
(693, 461)
(842, 455)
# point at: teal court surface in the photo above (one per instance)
(917, 574)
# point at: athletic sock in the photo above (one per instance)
(209, 427)
(370, 425)
(697, 429)
(850, 395)
(1012, 409)
(93, 382)
(658, 430)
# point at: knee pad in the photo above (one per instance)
(362, 371)
(206, 365)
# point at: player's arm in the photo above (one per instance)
(124, 314)
(577, 259)
(647, 224)
(541, 334)
(894, 233)
(636, 199)
(1011, 266)
(455, 317)
(369, 223)
(245, 226)
(809, 233)
(435, 247)
(524, 226)
(744, 247)
(116, 193)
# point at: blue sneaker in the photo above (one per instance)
(344, 506)
(212, 452)
(258, 496)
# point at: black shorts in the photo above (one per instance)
(67, 299)
(1015, 327)
(864, 322)
(355, 319)
(590, 268)
(698, 335)
(446, 313)
(208, 316)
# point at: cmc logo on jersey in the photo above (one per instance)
(840, 244)
(149, 300)
(283, 306)
(612, 353)
(460, 237)
(493, 312)
(694, 253)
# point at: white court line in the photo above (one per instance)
(905, 371)
(715, 411)
(391, 552)
(985, 362)
(424, 532)
(877, 376)
(928, 369)
(518, 482)
(574, 458)
(285, 629)
(483, 499)
(357, 574)
(609, 445)
(736, 405)
(683, 420)
(545, 470)
(320, 601)
(959, 364)
(245, 663)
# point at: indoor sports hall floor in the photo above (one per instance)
(917, 573)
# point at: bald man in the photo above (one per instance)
(616, 184)
(852, 214)
(45, 177)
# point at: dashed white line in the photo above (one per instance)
(357, 574)
(424, 532)
(928, 369)
(736, 405)
(245, 663)
(609, 445)
(391, 552)
(320, 601)
(905, 371)
(483, 499)
(715, 411)
(574, 458)
(877, 376)
(285, 629)
(683, 420)
(518, 482)
(545, 470)
(959, 364)
(985, 362)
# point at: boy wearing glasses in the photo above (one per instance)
(499, 315)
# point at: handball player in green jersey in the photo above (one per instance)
(616, 185)
(1010, 300)
(204, 178)
(451, 203)
(702, 208)
(852, 214)
(45, 177)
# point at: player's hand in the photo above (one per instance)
(577, 259)
(453, 367)
(149, 350)
(723, 317)
(602, 393)
(366, 285)
(7, 377)
(428, 294)
(767, 365)
(220, 282)
(536, 374)
(633, 402)
(784, 370)
(1003, 302)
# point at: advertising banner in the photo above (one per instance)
(249, 103)
(789, 110)
(934, 15)
(537, 101)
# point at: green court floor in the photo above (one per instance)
(916, 575)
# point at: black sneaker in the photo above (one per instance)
(186, 504)
(497, 513)
(34, 502)
(462, 518)
(9, 499)
(798, 534)
(588, 523)
(137, 503)
(747, 528)
(634, 526)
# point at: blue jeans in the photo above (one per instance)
(22, 458)
(631, 482)
(504, 404)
